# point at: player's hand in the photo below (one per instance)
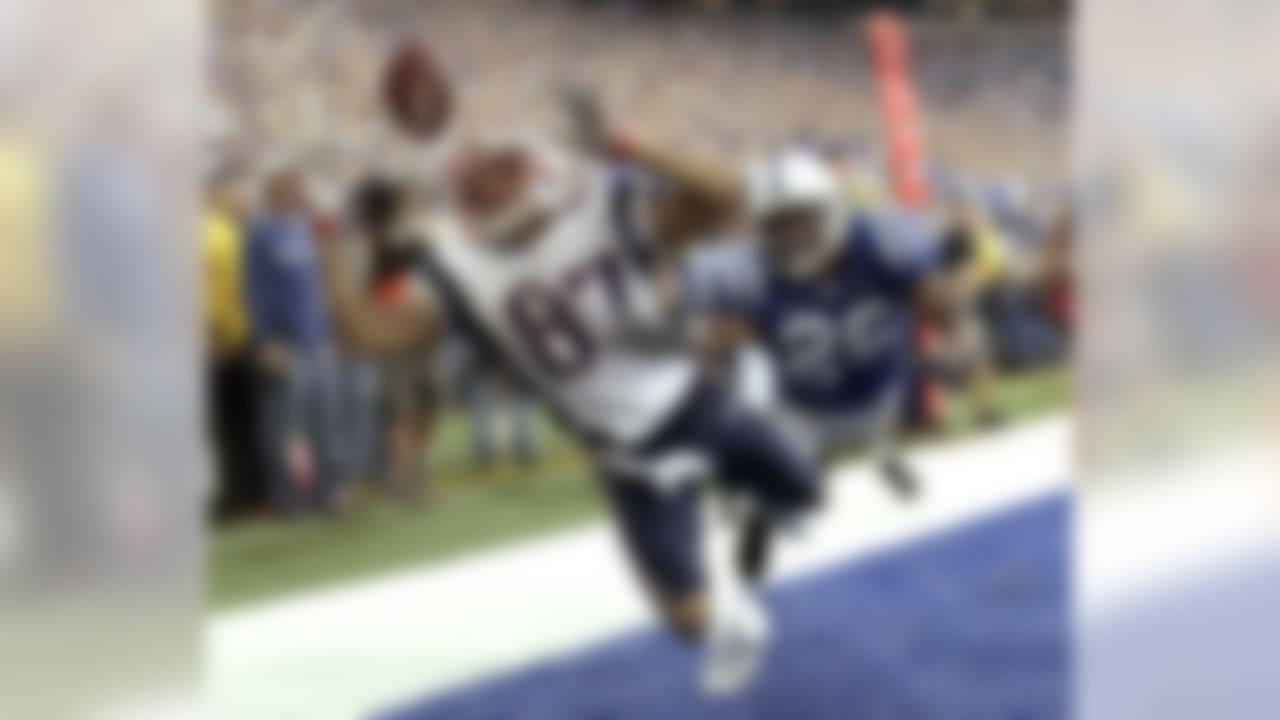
(588, 126)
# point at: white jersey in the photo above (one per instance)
(574, 313)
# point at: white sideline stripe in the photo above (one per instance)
(1142, 534)
(345, 652)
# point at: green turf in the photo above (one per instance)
(260, 560)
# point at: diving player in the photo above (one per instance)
(544, 259)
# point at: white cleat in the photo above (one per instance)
(735, 649)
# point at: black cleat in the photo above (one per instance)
(755, 544)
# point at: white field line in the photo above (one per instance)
(1148, 541)
(1149, 532)
(344, 652)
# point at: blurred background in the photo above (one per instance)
(347, 548)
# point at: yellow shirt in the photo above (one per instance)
(28, 284)
(226, 314)
(990, 259)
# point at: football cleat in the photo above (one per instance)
(735, 648)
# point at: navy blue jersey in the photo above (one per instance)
(838, 343)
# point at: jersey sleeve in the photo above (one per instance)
(631, 193)
(906, 249)
(437, 287)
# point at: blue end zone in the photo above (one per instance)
(969, 625)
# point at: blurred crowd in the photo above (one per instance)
(938, 8)
(294, 77)
(299, 144)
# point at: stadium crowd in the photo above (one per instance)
(299, 147)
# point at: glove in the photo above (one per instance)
(588, 127)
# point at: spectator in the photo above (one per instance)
(230, 365)
(1020, 336)
(297, 365)
(409, 398)
(993, 94)
(973, 261)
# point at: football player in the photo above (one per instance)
(545, 259)
(833, 296)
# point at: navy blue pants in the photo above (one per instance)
(748, 455)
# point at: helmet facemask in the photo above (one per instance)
(797, 212)
(799, 239)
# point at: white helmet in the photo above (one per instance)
(798, 180)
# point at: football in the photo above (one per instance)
(417, 94)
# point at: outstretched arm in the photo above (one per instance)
(697, 199)
(365, 327)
